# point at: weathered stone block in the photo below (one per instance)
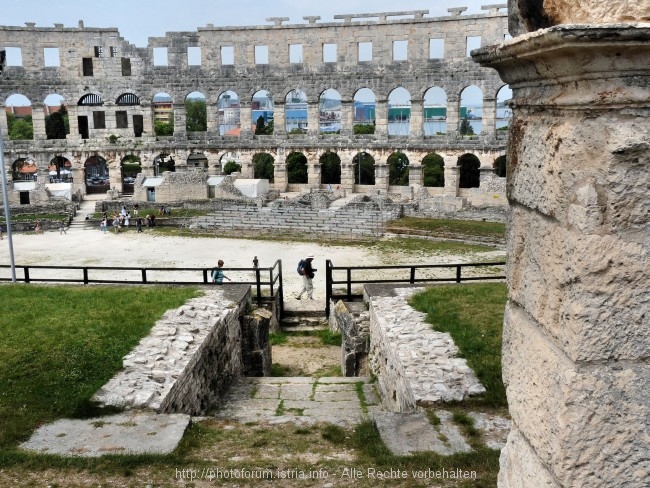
(584, 415)
(590, 292)
(520, 467)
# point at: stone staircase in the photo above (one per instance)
(303, 321)
(342, 222)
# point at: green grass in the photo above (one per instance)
(59, 345)
(414, 245)
(448, 227)
(482, 460)
(35, 217)
(473, 315)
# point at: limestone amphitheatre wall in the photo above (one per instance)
(577, 324)
(114, 67)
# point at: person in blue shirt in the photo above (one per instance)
(217, 273)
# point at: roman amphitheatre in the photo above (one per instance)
(539, 382)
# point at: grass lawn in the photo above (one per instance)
(60, 344)
(473, 315)
(448, 227)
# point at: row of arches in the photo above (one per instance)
(97, 177)
(201, 115)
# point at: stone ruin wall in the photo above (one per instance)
(577, 323)
(453, 73)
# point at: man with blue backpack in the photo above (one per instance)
(307, 272)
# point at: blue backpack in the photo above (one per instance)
(301, 264)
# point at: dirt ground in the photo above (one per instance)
(90, 247)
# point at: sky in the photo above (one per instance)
(140, 19)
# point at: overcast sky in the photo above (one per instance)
(139, 19)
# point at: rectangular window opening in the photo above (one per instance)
(400, 50)
(160, 56)
(261, 54)
(99, 52)
(329, 53)
(87, 66)
(126, 66)
(436, 48)
(14, 56)
(295, 53)
(365, 51)
(227, 55)
(194, 56)
(473, 42)
(113, 51)
(52, 57)
(121, 119)
(99, 120)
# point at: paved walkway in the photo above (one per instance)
(302, 400)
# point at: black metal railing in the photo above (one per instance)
(410, 274)
(265, 282)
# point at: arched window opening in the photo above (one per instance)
(470, 174)
(96, 175)
(435, 112)
(399, 112)
(330, 166)
(297, 168)
(196, 113)
(471, 111)
(364, 169)
(433, 170)
(330, 112)
(398, 169)
(295, 107)
(263, 166)
(365, 104)
(262, 113)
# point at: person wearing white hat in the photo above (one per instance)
(307, 273)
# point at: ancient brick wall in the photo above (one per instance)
(110, 55)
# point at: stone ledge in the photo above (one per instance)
(173, 369)
(415, 365)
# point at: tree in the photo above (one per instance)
(434, 170)
(196, 115)
(231, 167)
(20, 128)
(330, 164)
(263, 166)
(398, 169)
(367, 165)
(55, 126)
(164, 127)
(466, 128)
(261, 129)
(364, 128)
(297, 168)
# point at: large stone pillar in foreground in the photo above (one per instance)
(576, 339)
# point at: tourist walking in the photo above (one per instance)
(306, 270)
(217, 273)
(62, 228)
(138, 222)
(103, 226)
(136, 210)
(116, 223)
(256, 263)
